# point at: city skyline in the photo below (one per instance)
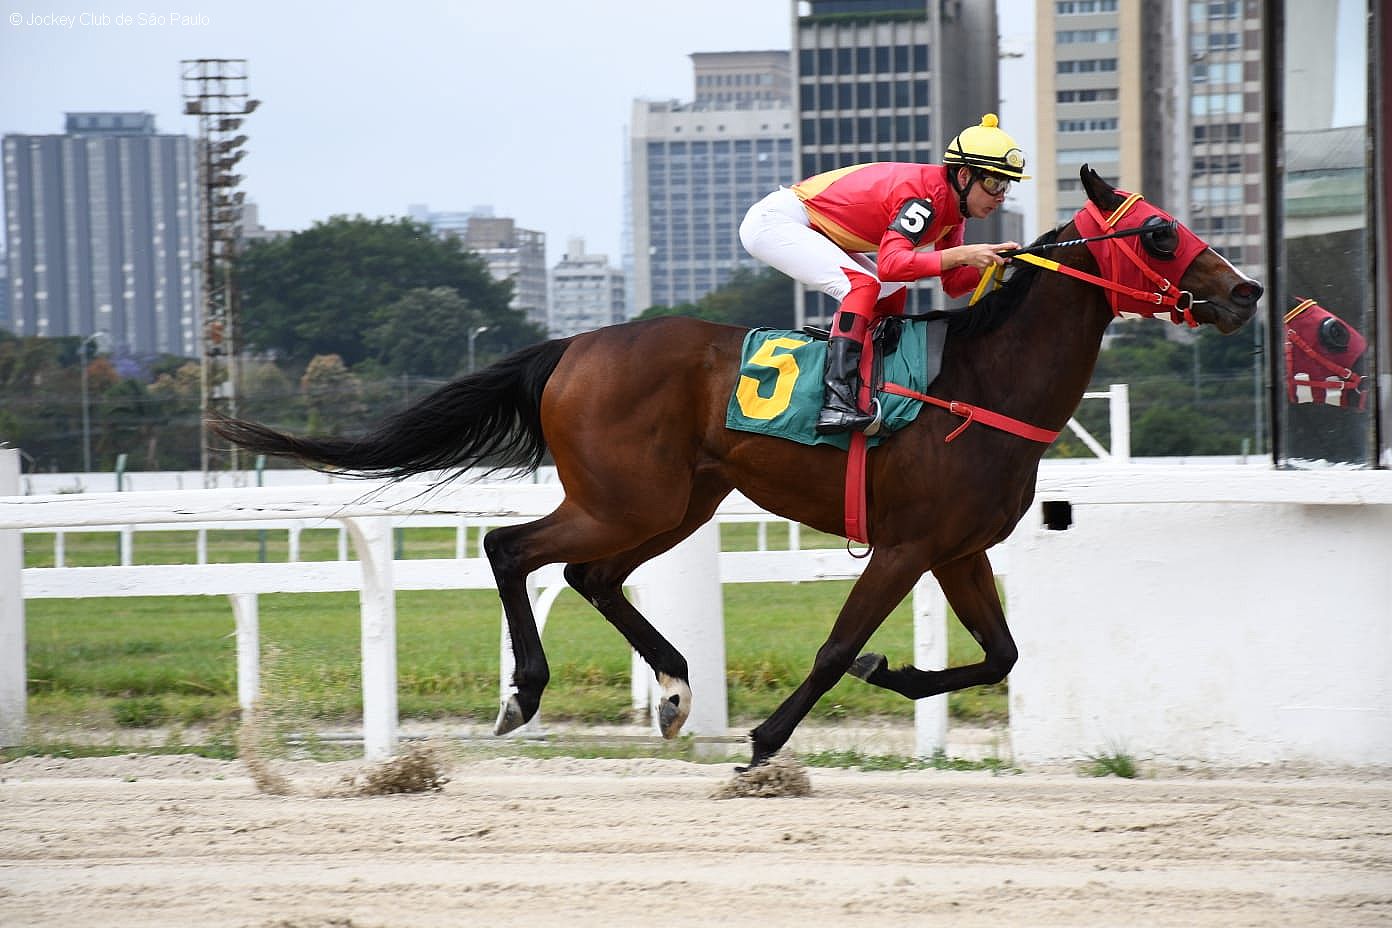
(454, 105)
(335, 138)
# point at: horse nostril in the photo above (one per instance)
(1246, 293)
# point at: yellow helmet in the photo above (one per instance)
(988, 147)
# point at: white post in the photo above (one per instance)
(640, 684)
(930, 653)
(13, 682)
(1120, 408)
(680, 594)
(246, 615)
(372, 538)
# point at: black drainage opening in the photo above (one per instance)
(1058, 514)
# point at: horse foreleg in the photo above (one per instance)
(601, 583)
(970, 588)
(887, 579)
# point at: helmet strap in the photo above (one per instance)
(961, 191)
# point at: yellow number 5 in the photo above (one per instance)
(751, 403)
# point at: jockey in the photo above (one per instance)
(860, 233)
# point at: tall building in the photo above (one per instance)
(511, 253)
(1160, 97)
(586, 293)
(4, 289)
(252, 229)
(742, 80)
(891, 80)
(103, 233)
(695, 168)
(515, 254)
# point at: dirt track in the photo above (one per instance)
(149, 841)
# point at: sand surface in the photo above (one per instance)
(181, 841)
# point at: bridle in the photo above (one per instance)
(1166, 298)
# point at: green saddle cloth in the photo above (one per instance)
(779, 391)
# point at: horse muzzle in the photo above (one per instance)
(1246, 294)
(1236, 310)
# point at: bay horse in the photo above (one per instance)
(634, 418)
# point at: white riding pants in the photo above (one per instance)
(778, 232)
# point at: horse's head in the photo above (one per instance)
(1204, 284)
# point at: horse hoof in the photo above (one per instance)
(867, 665)
(510, 717)
(674, 707)
(759, 760)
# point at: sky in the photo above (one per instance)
(368, 108)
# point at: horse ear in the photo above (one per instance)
(1098, 190)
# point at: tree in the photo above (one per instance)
(1189, 395)
(41, 399)
(321, 291)
(1163, 431)
(750, 298)
(396, 340)
(177, 396)
(332, 393)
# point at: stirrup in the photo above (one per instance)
(877, 423)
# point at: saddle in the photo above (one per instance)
(883, 340)
(779, 388)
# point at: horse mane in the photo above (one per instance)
(998, 305)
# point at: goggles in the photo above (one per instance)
(993, 184)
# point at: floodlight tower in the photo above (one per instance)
(215, 91)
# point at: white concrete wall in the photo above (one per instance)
(1232, 633)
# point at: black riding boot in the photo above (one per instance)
(840, 413)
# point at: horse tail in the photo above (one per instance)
(490, 418)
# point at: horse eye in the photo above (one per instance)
(1161, 241)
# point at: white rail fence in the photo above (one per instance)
(1191, 611)
(680, 592)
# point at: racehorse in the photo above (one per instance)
(634, 418)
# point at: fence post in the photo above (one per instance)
(640, 684)
(13, 682)
(246, 613)
(930, 653)
(372, 538)
(1120, 408)
(680, 594)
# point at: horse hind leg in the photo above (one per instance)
(601, 583)
(506, 551)
(514, 551)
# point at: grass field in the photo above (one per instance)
(143, 662)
